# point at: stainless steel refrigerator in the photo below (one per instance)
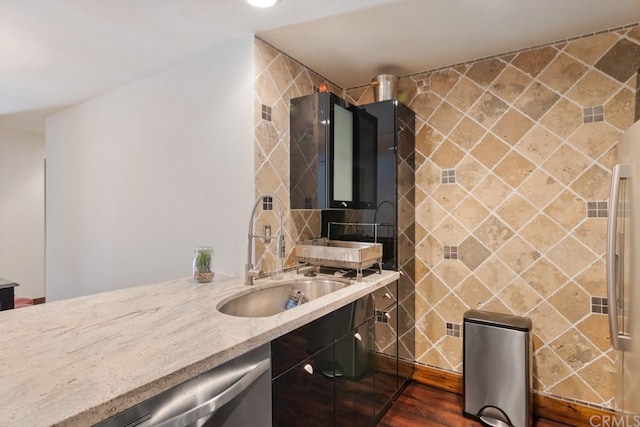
(623, 271)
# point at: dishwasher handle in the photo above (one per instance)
(212, 405)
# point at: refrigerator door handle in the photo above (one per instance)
(614, 272)
(620, 270)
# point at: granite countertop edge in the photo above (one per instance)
(80, 361)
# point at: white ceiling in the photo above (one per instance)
(54, 53)
(420, 35)
(57, 53)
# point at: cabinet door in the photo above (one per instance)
(354, 380)
(353, 315)
(385, 297)
(341, 194)
(294, 347)
(303, 396)
(365, 146)
(385, 361)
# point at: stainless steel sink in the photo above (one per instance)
(264, 302)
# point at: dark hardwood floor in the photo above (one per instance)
(421, 405)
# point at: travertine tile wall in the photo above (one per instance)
(406, 215)
(513, 161)
(278, 78)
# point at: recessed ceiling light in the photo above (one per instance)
(262, 3)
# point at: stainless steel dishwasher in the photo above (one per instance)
(235, 394)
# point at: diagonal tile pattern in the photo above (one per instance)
(278, 78)
(511, 131)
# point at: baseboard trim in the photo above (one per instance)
(443, 380)
(40, 300)
(388, 365)
(568, 412)
(543, 406)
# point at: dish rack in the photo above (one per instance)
(352, 255)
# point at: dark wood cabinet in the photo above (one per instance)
(332, 153)
(302, 370)
(296, 346)
(6, 294)
(355, 389)
(394, 215)
(385, 361)
(303, 395)
(331, 372)
(385, 369)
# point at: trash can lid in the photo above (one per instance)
(499, 320)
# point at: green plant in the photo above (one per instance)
(203, 261)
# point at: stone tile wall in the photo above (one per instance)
(513, 160)
(406, 208)
(278, 78)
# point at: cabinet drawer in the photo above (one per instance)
(386, 327)
(353, 315)
(294, 347)
(386, 296)
(303, 396)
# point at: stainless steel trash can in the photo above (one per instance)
(497, 369)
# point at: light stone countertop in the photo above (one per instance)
(79, 361)
(4, 283)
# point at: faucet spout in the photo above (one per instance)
(251, 272)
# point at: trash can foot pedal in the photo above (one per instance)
(494, 417)
(492, 422)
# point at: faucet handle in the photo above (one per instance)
(280, 248)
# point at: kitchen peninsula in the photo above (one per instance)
(79, 361)
(6, 294)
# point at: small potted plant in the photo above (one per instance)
(202, 264)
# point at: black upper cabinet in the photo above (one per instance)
(308, 151)
(365, 167)
(395, 153)
(332, 153)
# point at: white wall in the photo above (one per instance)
(138, 177)
(22, 210)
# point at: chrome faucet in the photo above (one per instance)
(375, 214)
(250, 271)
